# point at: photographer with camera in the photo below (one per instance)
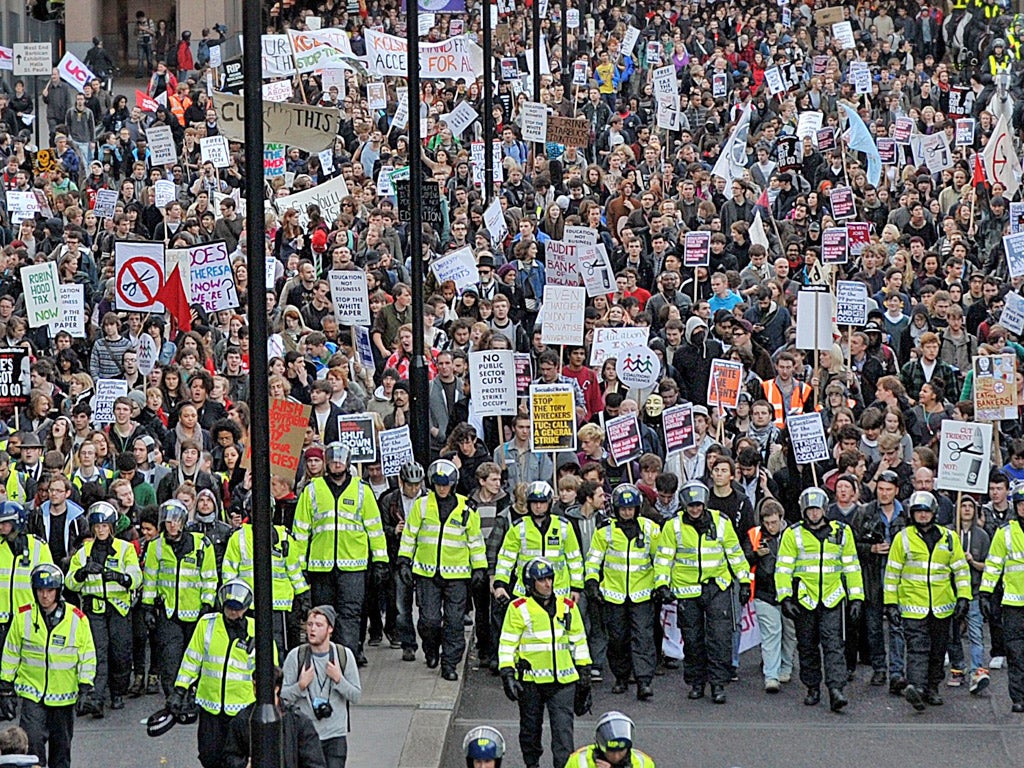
(321, 679)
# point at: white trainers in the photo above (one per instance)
(996, 662)
(771, 685)
(979, 680)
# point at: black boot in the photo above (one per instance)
(718, 694)
(117, 702)
(836, 699)
(912, 695)
(813, 697)
(619, 687)
(433, 659)
(138, 686)
(932, 699)
(696, 692)
(644, 691)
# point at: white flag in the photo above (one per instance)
(733, 159)
(1000, 159)
(758, 236)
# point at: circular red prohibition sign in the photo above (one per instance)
(140, 296)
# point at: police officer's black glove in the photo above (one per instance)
(592, 590)
(93, 568)
(744, 593)
(8, 701)
(479, 579)
(664, 594)
(790, 609)
(963, 605)
(176, 701)
(513, 688)
(584, 673)
(856, 609)
(381, 572)
(892, 613)
(985, 604)
(405, 571)
(149, 617)
(302, 605)
(109, 574)
(86, 704)
(81, 574)
(206, 610)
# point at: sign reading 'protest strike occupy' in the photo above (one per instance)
(493, 382)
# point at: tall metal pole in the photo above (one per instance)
(566, 63)
(536, 50)
(265, 726)
(419, 381)
(488, 103)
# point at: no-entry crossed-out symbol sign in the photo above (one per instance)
(138, 281)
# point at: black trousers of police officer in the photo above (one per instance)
(346, 591)
(49, 727)
(820, 631)
(213, 732)
(926, 640)
(558, 698)
(442, 604)
(1013, 636)
(112, 636)
(631, 640)
(172, 635)
(706, 623)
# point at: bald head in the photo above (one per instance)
(924, 479)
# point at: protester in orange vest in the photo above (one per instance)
(785, 389)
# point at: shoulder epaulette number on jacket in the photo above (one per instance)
(517, 603)
(78, 612)
(25, 608)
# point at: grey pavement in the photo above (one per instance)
(755, 730)
(402, 722)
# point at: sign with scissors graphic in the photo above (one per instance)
(139, 274)
(964, 456)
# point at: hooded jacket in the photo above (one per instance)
(692, 361)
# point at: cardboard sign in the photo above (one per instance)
(611, 342)
(15, 378)
(677, 424)
(455, 58)
(328, 196)
(72, 320)
(288, 423)
(492, 376)
(572, 132)
(995, 387)
(535, 121)
(359, 432)
(350, 296)
(843, 203)
(297, 125)
(395, 450)
(277, 56)
(725, 383)
(638, 367)
(965, 450)
(552, 418)
(697, 249)
(562, 312)
(560, 264)
(824, 17)
(459, 267)
(107, 391)
(42, 297)
(807, 434)
(834, 245)
(851, 303)
(623, 436)
(161, 145)
(524, 373)
(814, 319)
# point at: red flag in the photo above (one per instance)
(172, 295)
(144, 102)
(763, 199)
(979, 172)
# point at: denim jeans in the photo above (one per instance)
(778, 640)
(877, 642)
(974, 641)
(597, 636)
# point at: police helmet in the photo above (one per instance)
(103, 513)
(813, 498)
(189, 714)
(998, 43)
(12, 512)
(1015, 498)
(483, 743)
(173, 510)
(160, 722)
(47, 576)
(694, 493)
(538, 568)
(614, 732)
(337, 452)
(236, 595)
(411, 473)
(539, 490)
(923, 500)
(442, 472)
(626, 495)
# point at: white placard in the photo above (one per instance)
(664, 81)
(811, 334)
(1013, 245)
(562, 314)
(460, 118)
(851, 303)
(459, 267)
(146, 353)
(629, 40)
(578, 235)
(214, 149)
(395, 450)
(138, 276)
(42, 298)
(596, 269)
(106, 203)
(161, 145)
(211, 280)
(808, 124)
(807, 433)
(349, 296)
(492, 376)
(561, 266)
(164, 193)
(72, 320)
(1013, 313)
(107, 391)
(535, 122)
(843, 33)
(279, 90)
(965, 450)
(494, 220)
(609, 342)
(377, 95)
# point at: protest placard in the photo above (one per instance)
(72, 319)
(1013, 314)
(214, 149)
(326, 196)
(363, 347)
(42, 298)
(826, 139)
(563, 307)
(509, 69)
(534, 116)
(107, 391)
(574, 234)
(851, 303)
(161, 145)
(1013, 245)
(164, 193)
(638, 367)
(596, 269)
(460, 118)
(677, 424)
(297, 125)
(808, 124)
(288, 423)
(524, 373)
(572, 132)
(664, 81)
(459, 267)
(623, 436)
(902, 130)
(609, 342)
(210, 277)
(725, 383)
(776, 82)
(277, 56)
(552, 418)
(560, 264)
(995, 387)
(814, 319)
(492, 376)
(273, 160)
(359, 432)
(965, 132)
(834, 244)
(395, 450)
(697, 249)
(807, 432)
(349, 296)
(279, 90)
(15, 377)
(377, 95)
(106, 203)
(965, 451)
(858, 237)
(843, 204)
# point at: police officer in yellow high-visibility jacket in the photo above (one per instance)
(539, 534)
(1005, 563)
(620, 572)
(290, 590)
(924, 562)
(698, 559)
(339, 532)
(15, 485)
(442, 546)
(20, 552)
(613, 746)
(1000, 59)
(219, 661)
(105, 570)
(179, 584)
(817, 569)
(544, 662)
(49, 662)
